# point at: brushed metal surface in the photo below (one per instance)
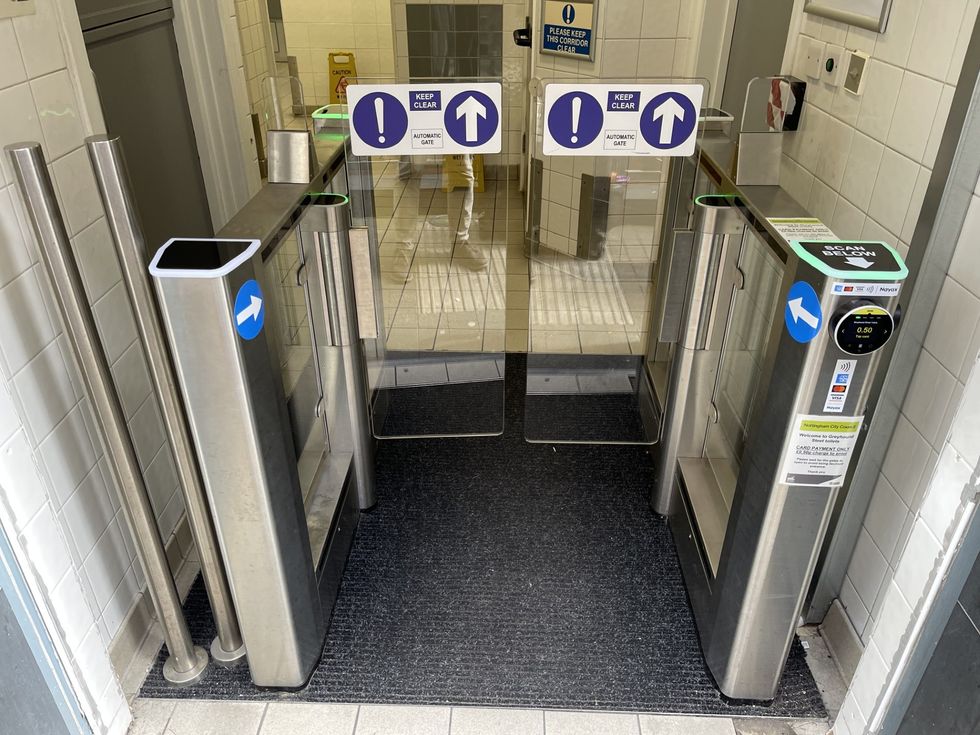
(186, 662)
(237, 411)
(109, 163)
(291, 156)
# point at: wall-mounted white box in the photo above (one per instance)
(813, 63)
(856, 64)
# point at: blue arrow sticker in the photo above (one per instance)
(249, 310)
(668, 120)
(803, 314)
(471, 118)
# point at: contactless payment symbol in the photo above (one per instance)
(380, 120)
(249, 310)
(803, 315)
(668, 120)
(471, 118)
(575, 120)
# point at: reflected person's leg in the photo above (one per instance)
(473, 255)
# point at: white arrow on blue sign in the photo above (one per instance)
(249, 310)
(419, 119)
(803, 315)
(621, 119)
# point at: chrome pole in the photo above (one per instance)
(107, 158)
(327, 221)
(186, 661)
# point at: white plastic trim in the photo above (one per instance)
(216, 273)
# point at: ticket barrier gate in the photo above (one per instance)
(285, 469)
(771, 355)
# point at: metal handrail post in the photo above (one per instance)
(106, 154)
(186, 662)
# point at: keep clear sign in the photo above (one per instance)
(416, 119)
(820, 450)
(621, 119)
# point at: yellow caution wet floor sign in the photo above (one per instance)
(343, 67)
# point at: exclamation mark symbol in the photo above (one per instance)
(576, 113)
(379, 113)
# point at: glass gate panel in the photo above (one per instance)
(594, 231)
(447, 232)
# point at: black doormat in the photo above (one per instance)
(496, 572)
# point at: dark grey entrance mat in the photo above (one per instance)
(498, 572)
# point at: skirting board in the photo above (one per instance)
(140, 618)
(842, 640)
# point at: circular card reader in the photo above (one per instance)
(861, 327)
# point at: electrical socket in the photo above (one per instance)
(14, 8)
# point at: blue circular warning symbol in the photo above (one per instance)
(803, 314)
(668, 120)
(471, 118)
(568, 13)
(249, 310)
(575, 120)
(379, 120)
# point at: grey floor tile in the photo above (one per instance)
(296, 718)
(590, 723)
(671, 725)
(765, 726)
(399, 720)
(493, 721)
(216, 718)
(150, 716)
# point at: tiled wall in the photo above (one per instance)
(58, 501)
(862, 165)
(928, 483)
(254, 30)
(315, 28)
(512, 64)
(634, 39)
(446, 40)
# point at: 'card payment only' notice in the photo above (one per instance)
(820, 450)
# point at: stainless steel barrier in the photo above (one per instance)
(329, 266)
(186, 662)
(109, 163)
(214, 309)
(767, 379)
(706, 259)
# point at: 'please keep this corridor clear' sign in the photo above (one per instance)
(569, 28)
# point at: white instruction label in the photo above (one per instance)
(802, 229)
(867, 289)
(840, 384)
(820, 450)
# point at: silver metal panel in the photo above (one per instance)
(759, 158)
(237, 411)
(290, 155)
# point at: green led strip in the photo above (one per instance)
(804, 255)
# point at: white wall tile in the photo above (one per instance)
(965, 267)
(935, 33)
(868, 680)
(68, 455)
(24, 321)
(46, 388)
(18, 120)
(893, 190)
(918, 562)
(132, 378)
(914, 114)
(946, 492)
(161, 479)
(885, 517)
(93, 662)
(857, 611)
(77, 190)
(68, 600)
(861, 170)
(40, 43)
(19, 478)
(57, 110)
(97, 259)
(956, 316)
(88, 513)
(114, 317)
(146, 428)
(928, 397)
(907, 454)
(881, 94)
(965, 434)
(45, 546)
(12, 69)
(107, 564)
(867, 568)
(894, 44)
(15, 256)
